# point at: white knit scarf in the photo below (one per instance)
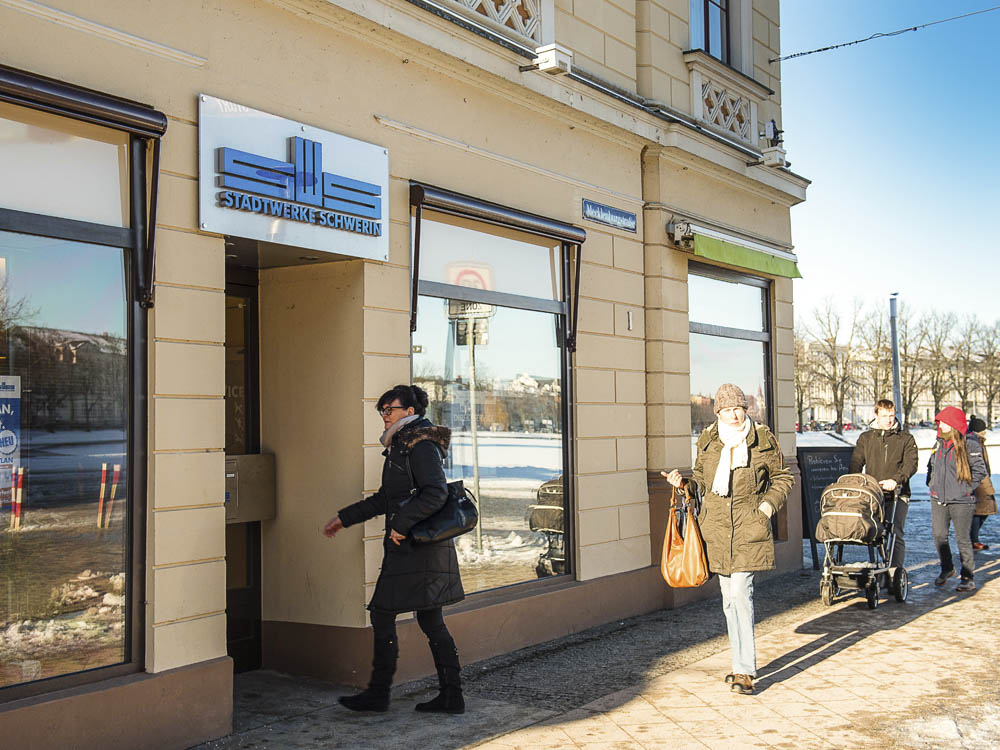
(396, 427)
(734, 454)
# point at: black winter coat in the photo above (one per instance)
(887, 454)
(413, 576)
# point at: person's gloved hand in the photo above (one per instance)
(889, 485)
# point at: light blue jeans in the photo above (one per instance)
(737, 604)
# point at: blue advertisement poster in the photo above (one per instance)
(10, 424)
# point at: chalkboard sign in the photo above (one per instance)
(819, 467)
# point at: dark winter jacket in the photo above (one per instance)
(942, 481)
(887, 454)
(737, 533)
(413, 576)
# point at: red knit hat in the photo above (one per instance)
(954, 418)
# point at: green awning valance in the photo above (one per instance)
(744, 257)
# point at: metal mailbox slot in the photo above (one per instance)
(250, 490)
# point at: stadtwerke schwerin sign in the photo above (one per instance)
(268, 178)
(358, 205)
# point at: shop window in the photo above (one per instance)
(491, 348)
(63, 469)
(729, 343)
(72, 381)
(60, 167)
(710, 27)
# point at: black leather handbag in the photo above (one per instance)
(459, 515)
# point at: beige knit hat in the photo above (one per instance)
(729, 395)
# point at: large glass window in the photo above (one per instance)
(495, 375)
(710, 27)
(64, 517)
(66, 509)
(729, 343)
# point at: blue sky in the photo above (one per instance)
(899, 138)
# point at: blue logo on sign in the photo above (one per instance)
(298, 189)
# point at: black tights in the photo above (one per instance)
(431, 621)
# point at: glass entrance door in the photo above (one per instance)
(242, 437)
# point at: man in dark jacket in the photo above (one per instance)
(889, 453)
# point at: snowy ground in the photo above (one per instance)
(512, 466)
(61, 592)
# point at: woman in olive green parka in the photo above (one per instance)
(741, 477)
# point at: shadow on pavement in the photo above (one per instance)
(844, 627)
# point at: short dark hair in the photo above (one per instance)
(408, 395)
(884, 403)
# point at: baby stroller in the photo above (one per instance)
(853, 512)
(546, 518)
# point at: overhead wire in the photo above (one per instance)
(883, 34)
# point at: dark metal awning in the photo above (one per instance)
(450, 202)
(145, 124)
(68, 100)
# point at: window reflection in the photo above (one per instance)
(726, 303)
(716, 360)
(494, 376)
(481, 256)
(64, 504)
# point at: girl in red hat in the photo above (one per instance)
(955, 469)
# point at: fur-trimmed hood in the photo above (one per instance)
(423, 429)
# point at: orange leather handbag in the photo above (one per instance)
(684, 563)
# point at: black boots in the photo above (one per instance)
(449, 700)
(376, 697)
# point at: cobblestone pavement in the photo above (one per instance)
(919, 675)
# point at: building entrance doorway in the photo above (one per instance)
(243, 556)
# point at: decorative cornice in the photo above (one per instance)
(77, 23)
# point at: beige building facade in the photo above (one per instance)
(620, 195)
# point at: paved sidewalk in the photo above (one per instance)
(917, 675)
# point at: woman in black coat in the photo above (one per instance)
(414, 577)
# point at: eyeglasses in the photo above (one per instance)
(386, 411)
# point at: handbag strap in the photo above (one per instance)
(409, 470)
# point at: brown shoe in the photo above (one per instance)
(743, 684)
(980, 546)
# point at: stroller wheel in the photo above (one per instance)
(826, 592)
(900, 584)
(871, 593)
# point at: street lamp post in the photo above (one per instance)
(895, 359)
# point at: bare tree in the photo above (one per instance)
(988, 347)
(963, 365)
(836, 355)
(803, 374)
(937, 352)
(875, 354)
(911, 336)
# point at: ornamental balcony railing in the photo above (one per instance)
(724, 98)
(521, 20)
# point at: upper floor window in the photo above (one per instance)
(710, 27)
